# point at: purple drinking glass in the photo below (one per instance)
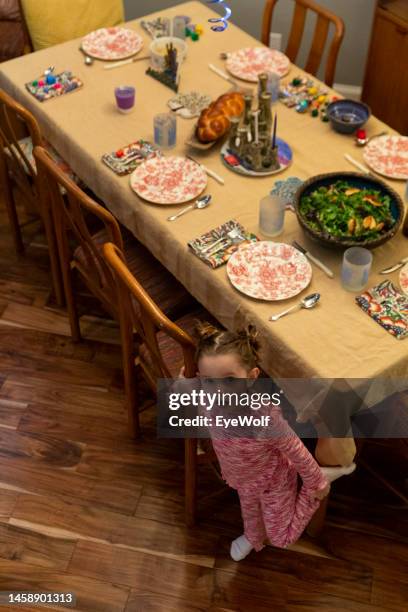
(125, 98)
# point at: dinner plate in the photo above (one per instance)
(403, 279)
(233, 162)
(168, 180)
(388, 155)
(269, 271)
(248, 63)
(112, 43)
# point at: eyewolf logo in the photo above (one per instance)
(222, 21)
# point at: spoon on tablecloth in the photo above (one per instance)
(309, 301)
(88, 61)
(202, 202)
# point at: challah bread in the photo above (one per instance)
(214, 121)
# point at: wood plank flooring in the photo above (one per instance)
(83, 508)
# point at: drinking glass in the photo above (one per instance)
(179, 27)
(273, 85)
(271, 215)
(125, 98)
(356, 268)
(165, 130)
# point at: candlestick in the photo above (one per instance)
(274, 131)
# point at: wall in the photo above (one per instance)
(247, 14)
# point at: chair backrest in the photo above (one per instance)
(74, 215)
(323, 21)
(16, 122)
(137, 311)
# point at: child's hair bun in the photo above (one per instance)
(206, 332)
(250, 336)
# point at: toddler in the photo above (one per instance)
(264, 471)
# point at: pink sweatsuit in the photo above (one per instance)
(265, 474)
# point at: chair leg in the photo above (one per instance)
(316, 525)
(190, 481)
(71, 303)
(131, 391)
(11, 208)
(57, 281)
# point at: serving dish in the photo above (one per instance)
(355, 181)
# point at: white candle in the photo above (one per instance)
(256, 126)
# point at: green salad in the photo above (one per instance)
(344, 211)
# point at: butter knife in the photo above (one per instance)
(314, 259)
(397, 266)
(209, 172)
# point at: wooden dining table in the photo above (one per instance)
(334, 340)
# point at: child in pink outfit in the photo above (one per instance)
(265, 472)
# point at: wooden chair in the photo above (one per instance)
(163, 348)
(80, 251)
(18, 177)
(324, 19)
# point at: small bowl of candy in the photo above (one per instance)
(347, 116)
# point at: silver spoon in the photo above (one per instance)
(309, 301)
(202, 202)
(88, 61)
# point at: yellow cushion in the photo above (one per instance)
(54, 21)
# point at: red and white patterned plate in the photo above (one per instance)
(269, 271)
(388, 155)
(112, 43)
(248, 63)
(168, 180)
(403, 279)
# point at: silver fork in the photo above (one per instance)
(231, 237)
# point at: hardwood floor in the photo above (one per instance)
(83, 508)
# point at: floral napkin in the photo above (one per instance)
(125, 160)
(222, 256)
(53, 86)
(388, 307)
(287, 190)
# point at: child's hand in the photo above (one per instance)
(322, 493)
(181, 373)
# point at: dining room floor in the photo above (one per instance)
(85, 509)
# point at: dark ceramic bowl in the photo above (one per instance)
(360, 181)
(347, 116)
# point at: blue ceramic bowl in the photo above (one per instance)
(354, 179)
(347, 116)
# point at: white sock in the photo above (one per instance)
(333, 473)
(240, 548)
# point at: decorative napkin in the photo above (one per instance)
(125, 160)
(388, 307)
(189, 105)
(222, 256)
(53, 85)
(287, 191)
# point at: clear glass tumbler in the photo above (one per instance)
(273, 85)
(356, 268)
(271, 215)
(165, 130)
(179, 26)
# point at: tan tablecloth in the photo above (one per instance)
(335, 340)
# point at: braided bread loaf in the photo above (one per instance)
(214, 121)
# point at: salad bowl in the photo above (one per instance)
(345, 209)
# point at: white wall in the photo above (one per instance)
(247, 14)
